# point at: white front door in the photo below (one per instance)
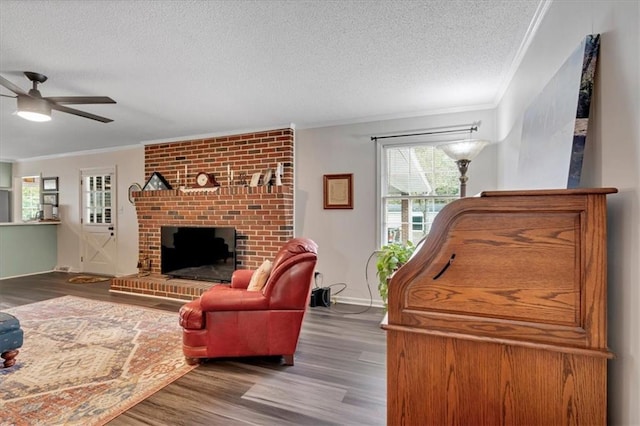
(98, 221)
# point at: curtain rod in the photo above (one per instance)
(439, 132)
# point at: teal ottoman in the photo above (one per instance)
(10, 338)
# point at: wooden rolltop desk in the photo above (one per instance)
(500, 317)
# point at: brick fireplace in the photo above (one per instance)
(262, 216)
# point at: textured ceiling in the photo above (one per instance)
(181, 68)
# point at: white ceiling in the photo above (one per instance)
(182, 68)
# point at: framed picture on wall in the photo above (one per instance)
(255, 178)
(266, 180)
(338, 191)
(50, 184)
(50, 199)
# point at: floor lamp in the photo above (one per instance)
(462, 152)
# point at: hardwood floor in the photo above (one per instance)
(339, 376)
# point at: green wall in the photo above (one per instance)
(28, 249)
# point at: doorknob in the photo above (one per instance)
(111, 228)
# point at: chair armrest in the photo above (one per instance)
(230, 299)
(191, 315)
(241, 278)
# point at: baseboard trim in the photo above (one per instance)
(357, 301)
(27, 275)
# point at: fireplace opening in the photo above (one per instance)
(206, 253)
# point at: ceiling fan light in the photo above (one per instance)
(34, 116)
(34, 109)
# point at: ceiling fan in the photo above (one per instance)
(34, 107)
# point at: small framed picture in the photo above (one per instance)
(51, 199)
(266, 180)
(338, 191)
(255, 178)
(50, 184)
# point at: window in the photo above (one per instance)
(416, 182)
(30, 198)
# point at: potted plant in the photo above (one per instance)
(390, 258)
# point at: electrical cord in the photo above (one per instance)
(327, 303)
(344, 287)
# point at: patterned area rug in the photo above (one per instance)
(83, 362)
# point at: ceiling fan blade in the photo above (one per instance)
(9, 85)
(81, 99)
(80, 113)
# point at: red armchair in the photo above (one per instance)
(230, 321)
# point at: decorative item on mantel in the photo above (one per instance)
(185, 179)
(229, 175)
(279, 172)
(206, 180)
(134, 187)
(156, 182)
(205, 189)
(255, 178)
(242, 180)
(266, 180)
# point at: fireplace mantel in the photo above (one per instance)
(213, 192)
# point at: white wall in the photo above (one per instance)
(129, 165)
(347, 238)
(611, 159)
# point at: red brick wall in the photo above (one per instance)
(262, 216)
(247, 153)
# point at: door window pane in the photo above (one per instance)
(98, 196)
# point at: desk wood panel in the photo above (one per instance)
(500, 317)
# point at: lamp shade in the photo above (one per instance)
(464, 150)
(34, 109)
